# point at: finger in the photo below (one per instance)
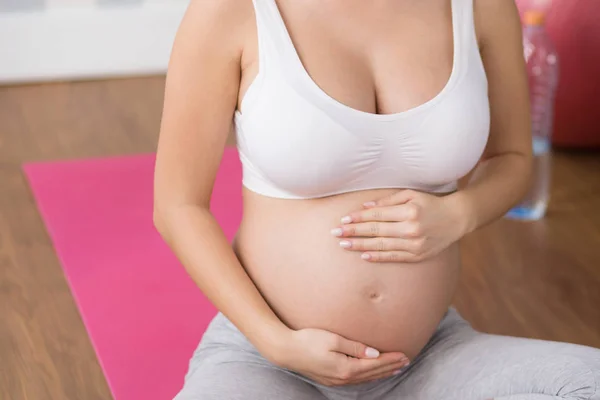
(368, 229)
(383, 370)
(379, 229)
(406, 230)
(381, 244)
(395, 213)
(401, 197)
(377, 377)
(336, 382)
(390, 256)
(354, 349)
(324, 381)
(355, 367)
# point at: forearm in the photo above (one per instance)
(199, 243)
(494, 187)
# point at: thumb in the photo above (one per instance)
(355, 349)
(401, 197)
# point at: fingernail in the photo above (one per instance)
(346, 220)
(337, 232)
(397, 372)
(365, 256)
(371, 352)
(345, 244)
(369, 204)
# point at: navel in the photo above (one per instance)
(375, 296)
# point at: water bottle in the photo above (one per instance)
(542, 67)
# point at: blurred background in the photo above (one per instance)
(84, 79)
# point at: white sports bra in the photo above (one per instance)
(297, 142)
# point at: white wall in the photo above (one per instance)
(78, 39)
(41, 5)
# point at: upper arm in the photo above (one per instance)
(499, 29)
(200, 100)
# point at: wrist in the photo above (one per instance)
(461, 203)
(271, 340)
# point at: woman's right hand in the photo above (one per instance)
(333, 360)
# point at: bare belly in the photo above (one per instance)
(310, 282)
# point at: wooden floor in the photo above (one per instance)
(529, 279)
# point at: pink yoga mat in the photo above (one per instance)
(143, 313)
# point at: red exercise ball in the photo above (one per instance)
(573, 26)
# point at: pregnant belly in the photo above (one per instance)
(310, 282)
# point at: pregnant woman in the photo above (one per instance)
(355, 120)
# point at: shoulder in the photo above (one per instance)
(223, 12)
(495, 19)
(222, 22)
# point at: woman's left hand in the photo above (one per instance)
(408, 226)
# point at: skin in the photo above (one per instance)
(306, 302)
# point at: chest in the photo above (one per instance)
(379, 57)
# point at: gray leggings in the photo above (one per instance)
(457, 363)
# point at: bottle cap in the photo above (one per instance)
(534, 18)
